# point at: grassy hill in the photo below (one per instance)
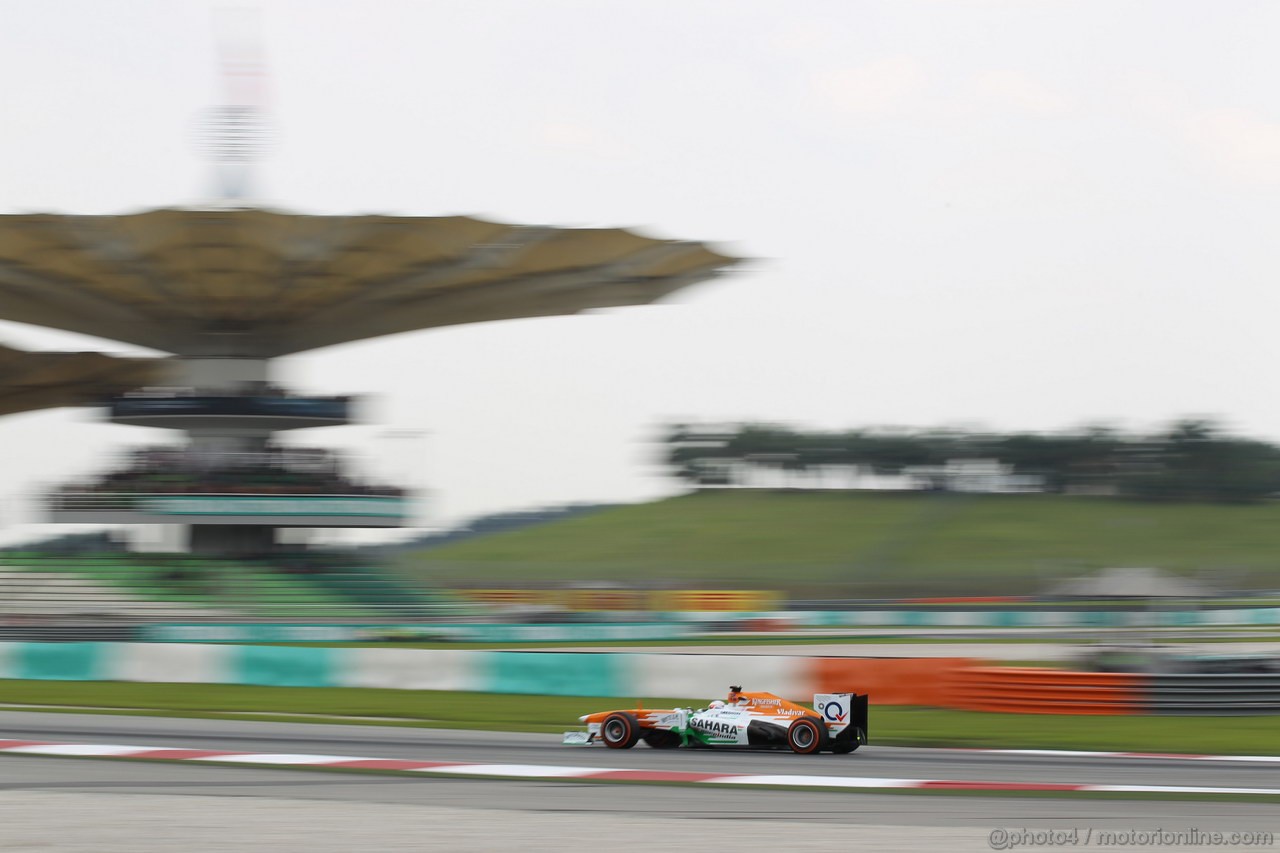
(860, 544)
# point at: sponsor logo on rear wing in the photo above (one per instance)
(840, 710)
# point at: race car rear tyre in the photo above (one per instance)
(844, 747)
(661, 739)
(807, 735)
(619, 731)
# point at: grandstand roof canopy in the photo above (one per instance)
(46, 380)
(261, 283)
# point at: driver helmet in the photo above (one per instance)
(716, 703)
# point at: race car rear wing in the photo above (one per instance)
(841, 710)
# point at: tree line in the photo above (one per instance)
(1190, 460)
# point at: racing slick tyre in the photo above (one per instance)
(841, 746)
(807, 735)
(619, 731)
(661, 739)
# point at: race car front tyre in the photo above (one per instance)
(620, 731)
(807, 735)
(661, 739)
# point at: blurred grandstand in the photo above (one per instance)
(180, 470)
(30, 381)
(226, 291)
(111, 595)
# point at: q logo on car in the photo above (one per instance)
(834, 711)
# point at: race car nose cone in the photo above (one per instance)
(583, 718)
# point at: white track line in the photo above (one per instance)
(539, 771)
(1084, 753)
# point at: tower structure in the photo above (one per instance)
(235, 132)
(228, 287)
(226, 291)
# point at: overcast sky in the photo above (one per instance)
(1014, 215)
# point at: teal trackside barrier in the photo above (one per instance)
(556, 674)
(1006, 619)
(282, 666)
(58, 661)
(1266, 616)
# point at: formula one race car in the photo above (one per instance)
(837, 722)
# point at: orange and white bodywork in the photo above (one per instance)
(836, 722)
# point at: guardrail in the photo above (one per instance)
(1212, 693)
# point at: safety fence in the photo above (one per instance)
(1213, 693)
(958, 683)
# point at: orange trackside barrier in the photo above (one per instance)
(715, 599)
(1021, 690)
(722, 600)
(605, 599)
(887, 681)
(514, 597)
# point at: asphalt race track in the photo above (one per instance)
(225, 806)
(520, 748)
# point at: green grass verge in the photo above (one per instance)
(1206, 735)
(889, 725)
(871, 545)
(326, 704)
